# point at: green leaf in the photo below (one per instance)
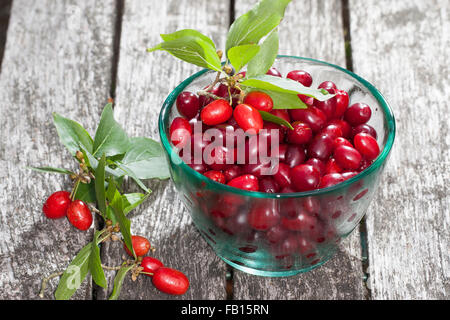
(284, 100)
(74, 275)
(265, 58)
(95, 264)
(100, 185)
(86, 192)
(146, 159)
(192, 47)
(283, 85)
(110, 139)
(272, 118)
(256, 23)
(118, 281)
(92, 162)
(51, 170)
(133, 176)
(187, 33)
(71, 134)
(118, 212)
(239, 56)
(132, 200)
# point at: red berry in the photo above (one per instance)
(259, 100)
(215, 175)
(345, 127)
(248, 118)
(56, 205)
(232, 172)
(281, 113)
(332, 167)
(268, 185)
(357, 113)
(332, 130)
(328, 107)
(301, 222)
(321, 147)
(340, 141)
(216, 112)
(364, 128)
(170, 281)
(342, 101)
(188, 104)
(312, 116)
(295, 155)
(366, 145)
(347, 157)
(140, 246)
(151, 264)
(331, 179)
(300, 76)
(246, 182)
(305, 177)
(328, 85)
(301, 134)
(273, 72)
(318, 164)
(264, 215)
(79, 215)
(283, 175)
(180, 132)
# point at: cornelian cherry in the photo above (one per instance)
(79, 215)
(301, 134)
(180, 132)
(347, 157)
(215, 175)
(188, 104)
(246, 182)
(56, 205)
(305, 177)
(248, 118)
(170, 281)
(216, 112)
(151, 264)
(357, 113)
(366, 145)
(140, 246)
(300, 76)
(259, 100)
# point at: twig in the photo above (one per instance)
(111, 268)
(46, 280)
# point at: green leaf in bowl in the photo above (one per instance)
(273, 118)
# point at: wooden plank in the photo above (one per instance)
(402, 48)
(57, 58)
(144, 81)
(310, 29)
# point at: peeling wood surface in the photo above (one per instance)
(402, 47)
(144, 81)
(57, 58)
(318, 34)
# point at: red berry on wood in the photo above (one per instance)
(140, 246)
(56, 205)
(79, 215)
(170, 281)
(151, 264)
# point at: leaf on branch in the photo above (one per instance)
(71, 134)
(118, 281)
(265, 58)
(272, 118)
(95, 263)
(51, 170)
(74, 275)
(256, 23)
(191, 46)
(239, 56)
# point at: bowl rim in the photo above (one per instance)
(380, 160)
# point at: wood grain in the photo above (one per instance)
(310, 29)
(144, 81)
(402, 47)
(57, 58)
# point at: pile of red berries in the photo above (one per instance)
(330, 141)
(165, 279)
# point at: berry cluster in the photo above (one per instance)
(330, 141)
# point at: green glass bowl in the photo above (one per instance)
(220, 212)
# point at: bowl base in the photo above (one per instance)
(265, 273)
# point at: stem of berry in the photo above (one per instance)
(209, 95)
(111, 268)
(74, 189)
(46, 280)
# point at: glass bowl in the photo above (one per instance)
(221, 212)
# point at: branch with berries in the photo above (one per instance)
(104, 162)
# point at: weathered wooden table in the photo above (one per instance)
(70, 56)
